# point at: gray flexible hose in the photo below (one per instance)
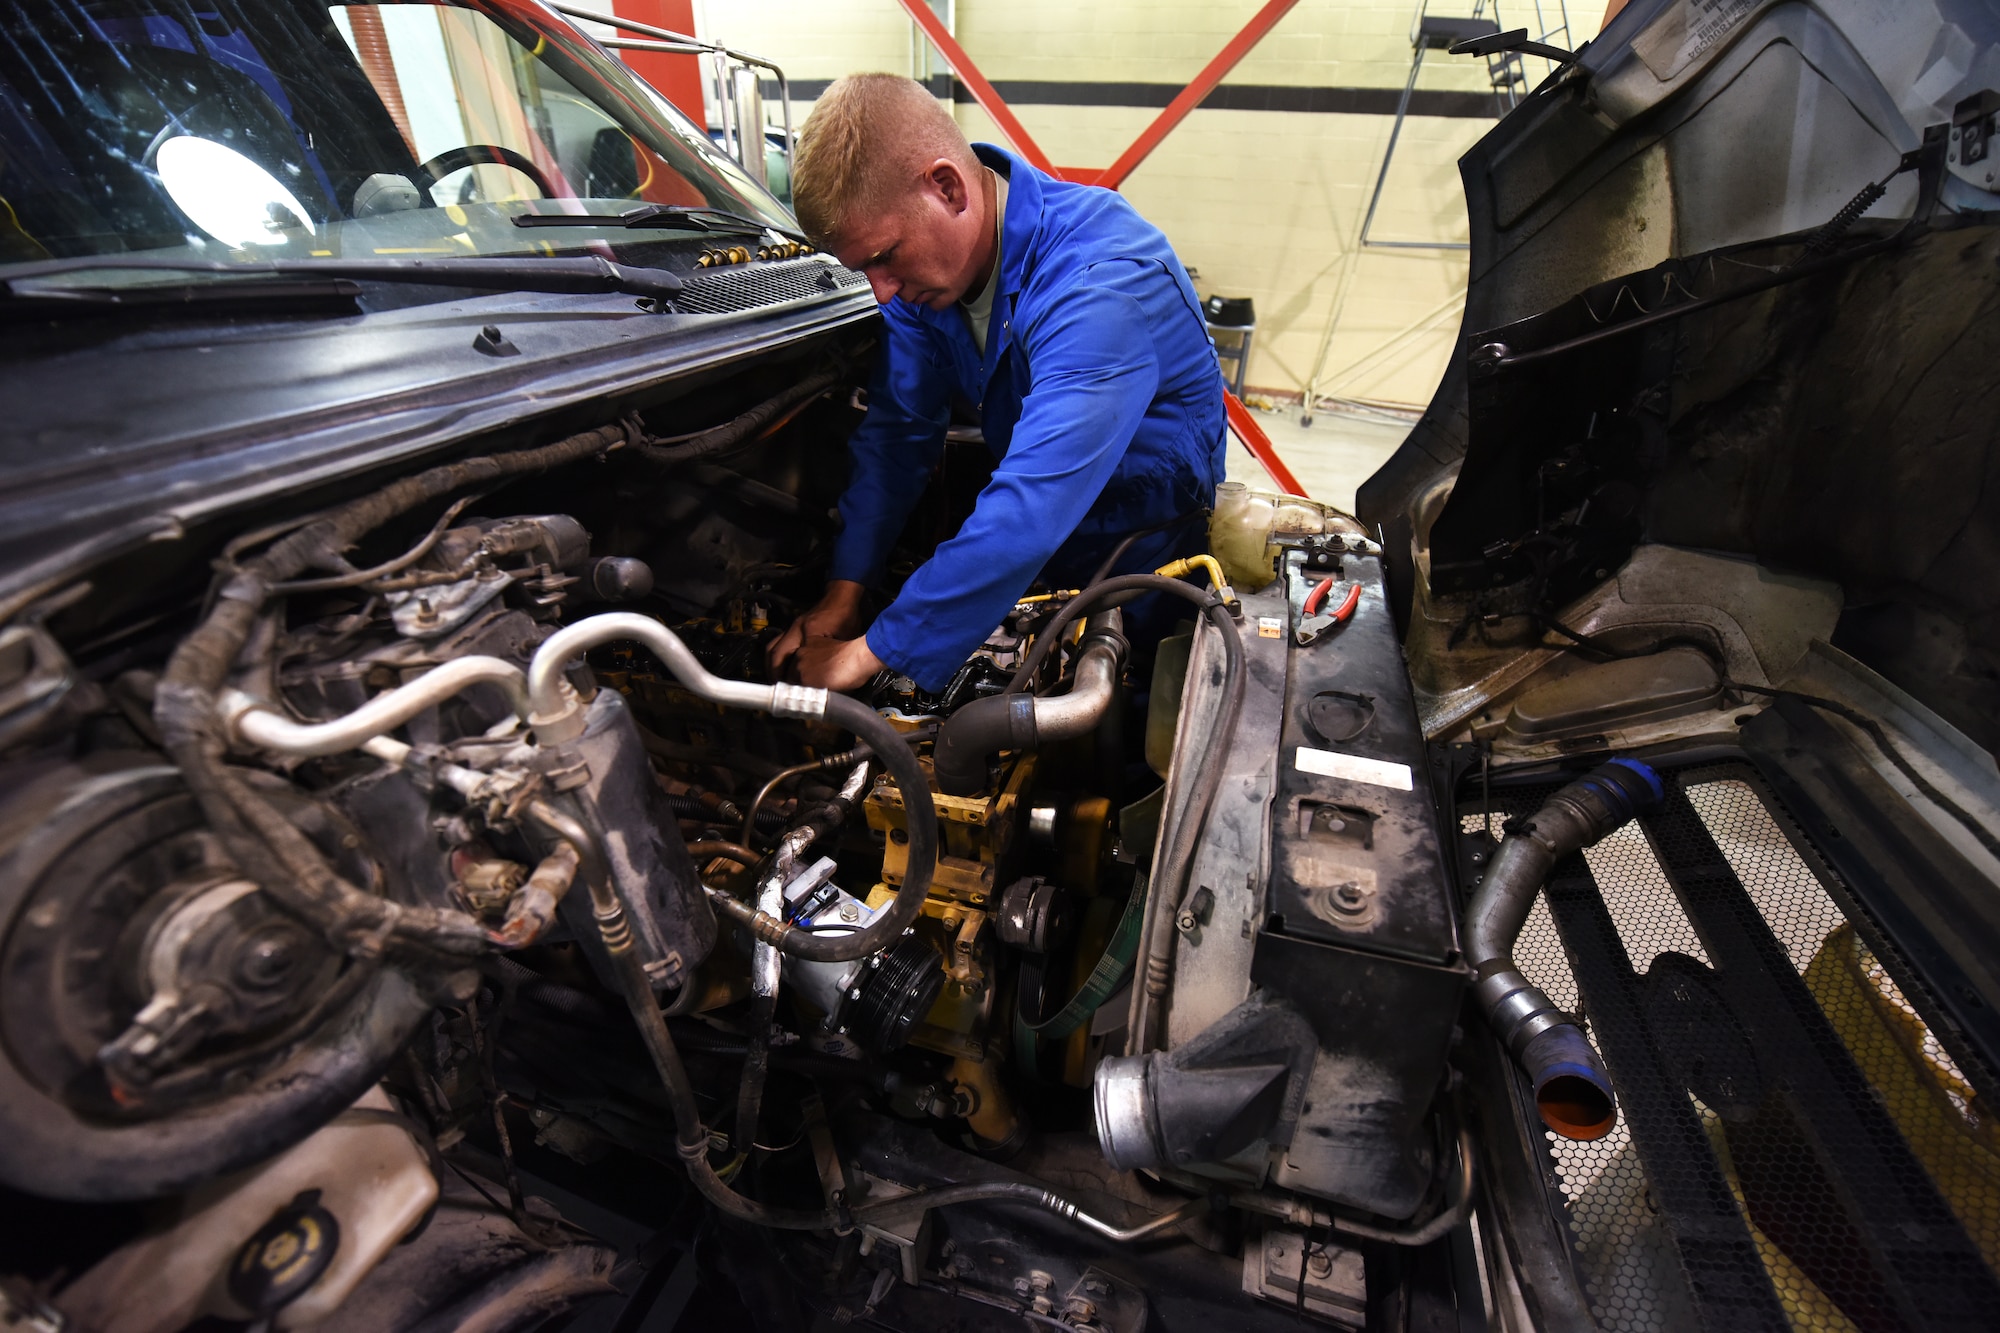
(1572, 1089)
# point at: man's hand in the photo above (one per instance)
(837, 615)
(837, 664)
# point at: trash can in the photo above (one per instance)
(1234, 317)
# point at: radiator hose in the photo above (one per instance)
(1572, 1090)
(973, 734)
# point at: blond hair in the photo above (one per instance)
(868, 141)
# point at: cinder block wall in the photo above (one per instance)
(1264, 203)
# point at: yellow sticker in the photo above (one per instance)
(1270, 627)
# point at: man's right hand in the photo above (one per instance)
(837, 615)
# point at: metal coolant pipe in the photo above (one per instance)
(258, 722)
(975, 732)
(1572, 1090)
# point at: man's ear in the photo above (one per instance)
(948, 181)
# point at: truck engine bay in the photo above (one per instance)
(423, 910)
(1559, 898)
(456, 831)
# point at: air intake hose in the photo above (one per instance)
(1572, 1090)
(975, 732)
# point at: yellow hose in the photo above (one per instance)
(1204, 563)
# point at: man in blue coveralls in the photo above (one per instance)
(1055, 310)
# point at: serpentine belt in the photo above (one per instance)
(1103, 982)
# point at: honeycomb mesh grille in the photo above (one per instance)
(1635, 891)
(727, 291)
(1790, 898)
(1796, 1150)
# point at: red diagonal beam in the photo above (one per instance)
(982, 91)
(1259, 444)
(1191, 96)
(1240, 421)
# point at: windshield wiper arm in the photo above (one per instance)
(263, 293)
(696, 217)
(591, 273)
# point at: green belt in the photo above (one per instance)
(1105, 979)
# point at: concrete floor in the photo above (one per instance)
(1331, 457)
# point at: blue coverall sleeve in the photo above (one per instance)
(895, 449)
(1094, 376)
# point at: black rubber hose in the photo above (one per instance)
(920, 813)
(691, 1139)
(755, 815)
(975, 732)
(738, 429)
(1105, 565)
(756, 1069)
(685, 806)
(1125, 588)
(1173, 868)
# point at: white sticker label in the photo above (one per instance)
(1354, 768)
(1270, 627)
(1686, 32)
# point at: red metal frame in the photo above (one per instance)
(1240, 421)
(982, 91)
(1191, 96)
(1259, 444)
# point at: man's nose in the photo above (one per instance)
(884, 286)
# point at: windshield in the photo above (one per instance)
(266, 129)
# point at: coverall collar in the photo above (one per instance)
(1023, 219)
(1024, 213)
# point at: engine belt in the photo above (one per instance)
(1112, 968)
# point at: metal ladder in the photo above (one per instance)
(1505, 72)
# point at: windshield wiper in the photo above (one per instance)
(587, 274)
(696, 217)
(263, 294)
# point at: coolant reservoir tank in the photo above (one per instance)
(1239, 531)
(1245, 522)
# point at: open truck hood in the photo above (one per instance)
(1710, 480)
(1670, 338)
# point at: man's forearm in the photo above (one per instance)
(843, 599)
